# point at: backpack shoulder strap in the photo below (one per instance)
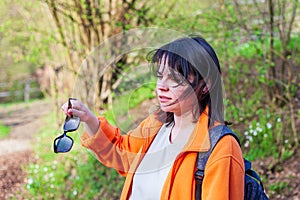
(215, 135)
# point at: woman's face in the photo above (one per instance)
(170, 91)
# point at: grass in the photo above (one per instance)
(279, 187)
(4, 131)
(21, 103)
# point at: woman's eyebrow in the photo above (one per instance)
(168, 75)
(175, 73)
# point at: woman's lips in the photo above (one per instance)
(164, 99)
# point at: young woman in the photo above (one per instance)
(158, 157)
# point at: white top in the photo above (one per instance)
(152, 172)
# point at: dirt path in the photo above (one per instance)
(16, 150)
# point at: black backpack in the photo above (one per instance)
(254, 189)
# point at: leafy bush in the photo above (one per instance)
(256, 48)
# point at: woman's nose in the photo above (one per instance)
(162, 86)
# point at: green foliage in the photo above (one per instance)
(118, 114)
(261, 136)
(4, 131)
(185, 17)
(279, 187)
(74, 175)
(262, 133)
(26, 43)
(257, 48)
(294, 43)
(139, 95)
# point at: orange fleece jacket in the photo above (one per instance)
(224, 173)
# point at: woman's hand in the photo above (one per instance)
(80, 110)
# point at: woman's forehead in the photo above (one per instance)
(164, 64)
(166, 69)
(163, 68)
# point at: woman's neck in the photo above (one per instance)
(184, 119)
(183, 124)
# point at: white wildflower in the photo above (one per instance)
(259, 129)
(30, 181)
(246, 144)
(250, 138)
(286, 141)
(255, 133)
(269, 125)
(75, 192)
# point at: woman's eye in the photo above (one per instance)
(175, 79)
(159, 76)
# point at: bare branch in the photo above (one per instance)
(262, 13)
(241, 21)
(290, 26)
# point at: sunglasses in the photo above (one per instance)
(64, 143)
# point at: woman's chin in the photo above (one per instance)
(167, 108)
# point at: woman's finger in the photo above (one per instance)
(65, 108)
(78, 113)
(76, 104)
(73, 101)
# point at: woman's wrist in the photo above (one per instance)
(92, 125)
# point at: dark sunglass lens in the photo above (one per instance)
(71, 123)
(63, 144)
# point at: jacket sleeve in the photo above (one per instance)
(119, 151)
(224, 173)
